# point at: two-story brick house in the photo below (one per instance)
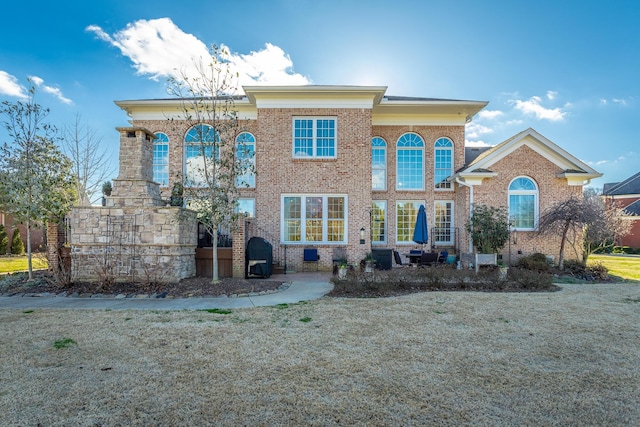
(335, 164)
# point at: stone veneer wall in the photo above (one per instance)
(133, 244)
(135, 237)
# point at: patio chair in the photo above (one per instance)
(442, 257)
(311, 256)
(428, 259)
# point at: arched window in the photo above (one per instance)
(246, 154)
(161, 159)
(523, 203)
(378, 164)
(200, 152)
(443, 163)
(410, 162)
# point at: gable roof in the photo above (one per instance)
(630, 185)
(574, 170)
(633, 209)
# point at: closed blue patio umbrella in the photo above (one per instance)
(421, 231)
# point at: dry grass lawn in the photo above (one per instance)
(457, 358)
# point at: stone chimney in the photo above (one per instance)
(134, 185)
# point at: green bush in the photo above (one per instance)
(17, 247)
(535, 262)
(4, 240)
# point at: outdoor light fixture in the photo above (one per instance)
(362, 236)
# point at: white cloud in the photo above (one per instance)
(490, 114)
(533, 107)
(50, 89)
(551, 95)
(9, 86)
(468, 143)
(159, 49)
(474, 130)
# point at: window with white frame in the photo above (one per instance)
(523, 203)
(161, 159)
(379, 222)
(314, 219)
(246, 154)
(406, 214)
(314, 137)
(443, 163)
(247, 207)
(378, 164)
(443, 231)
(410, 162)
(200, 154)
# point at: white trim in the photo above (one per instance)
(325, 219)
(424, 166)
(314, 145)
(386, 223)
(452, 225)
(536, 208)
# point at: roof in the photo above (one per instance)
(633, 209)
(630, 185)
(479, 160)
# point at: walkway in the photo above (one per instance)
(304, 287)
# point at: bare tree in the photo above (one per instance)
(90, 162)
(586, 223)
(36, 182)
(607, 227)
(213, 165)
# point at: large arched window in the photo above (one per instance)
(200, 152)
(378, 164)
(410, 162)
(523, 203)
(246, 154)
(161, 159)
(443, 163)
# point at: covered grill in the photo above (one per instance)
(258, 257)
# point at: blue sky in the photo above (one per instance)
(569, 69)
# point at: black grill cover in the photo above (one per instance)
(259, 257)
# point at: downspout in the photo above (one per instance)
(458, 181)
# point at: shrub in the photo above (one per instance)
(4, 240)
(530, 279)
(575, 267)
(17, 246)
(535, 262)
(598, 270)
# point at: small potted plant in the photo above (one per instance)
(343, 266)
(369, 262)
(106, 191)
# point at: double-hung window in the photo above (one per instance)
(379, 222)
(378, 164)
(410, 162)
(246, 157)
(314, 137)
(523, 203)
(443, 232)
(314, 219)
(201, 155)
(443, 163)
(161, 159)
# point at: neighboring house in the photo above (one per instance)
(626, 195)
(37, 234)
(339, 164)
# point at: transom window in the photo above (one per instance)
(161, 159)
(443, 232)
(314, 218)
(246, 153)
(379, 222)
(406, 214)
(201, 142)
(443, 163)
(378, 164)
(314, 137)
(410, 162)
(523, 203)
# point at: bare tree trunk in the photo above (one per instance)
(29, 250)
(565, 230)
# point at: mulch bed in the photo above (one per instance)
(192, 287)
